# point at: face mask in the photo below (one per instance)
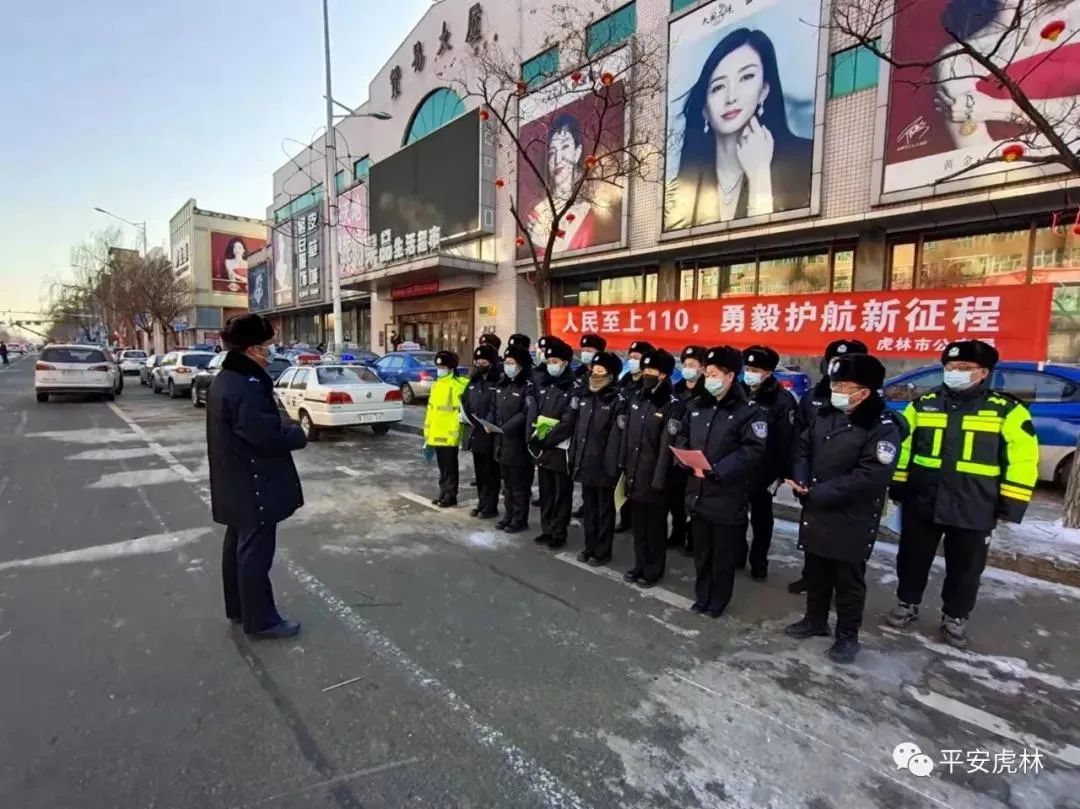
(650, 382)
(598, 383)
(482, 367)
(841, 401)
(555, 369)
(715, 386)
(511, 371)
(959, 380)
(441, 372)
(588, 356)
(690, 374)
(633, 366)
(751, 378)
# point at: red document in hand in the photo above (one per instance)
(693, 459)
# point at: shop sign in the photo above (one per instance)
(473, 34)
(894, 323)
(308, 233)
(384, 248)
(414, 290)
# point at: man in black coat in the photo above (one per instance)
(514, 397)
(591, 345)
(842, 471)
(731, 431)
(478, 402)
(594, 455)
(629, 386)
(491, 339)
(761, 385)
(649, 427)
(253, 481)
(556, 489)
(686, 391)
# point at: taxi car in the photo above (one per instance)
(321, 397)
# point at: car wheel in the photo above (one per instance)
(172, 390)
(109, 397)
(195, 400)
(311, 432)
(1063, 471)
(153, 385)
(142, 381)
(42, 398)
(120, 387)
(407, 394)
(380, 429)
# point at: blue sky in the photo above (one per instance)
(135, 107)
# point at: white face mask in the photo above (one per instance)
(959, 380)
(441, 372)
(633, 366)
(752, 378)
(841, 401)
(511, 371)
(690, 374)
(555, 369)
(715, 385)
(588, 356)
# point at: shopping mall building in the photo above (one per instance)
(797, 194)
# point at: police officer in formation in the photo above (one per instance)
(970, 461)
(549, 442)
(843, 465)
(591, 346)
(478, 403)
(686, 390)
(514, 394)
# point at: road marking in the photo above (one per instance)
(544, 784)
(155, 543)
(343, 683)
(657, 593)
(337, 779)
(458, 510)
(678, 630)
(350, 472)
(1068, 753)
(135, 478)
(174, 464)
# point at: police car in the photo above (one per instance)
(326, 396)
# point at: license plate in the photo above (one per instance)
(367, 418)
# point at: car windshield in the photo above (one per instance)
(424, 357)
(345, 376)
(72, 355)
(134, 355)
(196, 360)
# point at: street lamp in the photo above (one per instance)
(140, 225)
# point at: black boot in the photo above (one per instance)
(807, 628)
(797, 587)
(844, 650)
(578, 512)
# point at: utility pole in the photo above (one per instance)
(330, 161)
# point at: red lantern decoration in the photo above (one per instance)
(521, 87)
(570, 217)
(560, 233)
(575, 77)
(484, 115)
(499, 183)
(520, 241)
(591, 161)
(607, 79)
(1053, 29)
(1012, 152)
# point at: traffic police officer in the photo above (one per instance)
(442, 425)
(686, 389)
(841, 474)
(971, 459)
(556, 491)
(478, 402)
(513, 394)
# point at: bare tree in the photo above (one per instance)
(160, 295)
(617, 91)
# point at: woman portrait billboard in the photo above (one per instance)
(742, 85)
(229, 254)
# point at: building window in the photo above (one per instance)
(438, 108)
(679, 5)
(903, 266)
(975, 260)
(794, 275)
(612, 30)
(686, 285)
(541, 67)
(581, 293)
(843, 270)
(340, 181)
(852, 70)
(301, 203)
(361, 168)
(624, 289)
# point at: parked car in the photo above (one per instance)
(131, 361)
(353, 357)
(148, 368)
(320, 397)
(200, 384)
(176, 370)
(1051, 392)
(793, 379)
(76, 369)
(411, 372)
(278, 366)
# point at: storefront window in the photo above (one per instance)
(903, 266)
(843, 270)
(794, 275)
(1056, 260)
(625, 289)
(708, 283)
(988, 258)
(686, 285)
(581, 293)
(652, 282)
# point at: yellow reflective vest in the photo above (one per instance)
(970, 457)
(442, 421)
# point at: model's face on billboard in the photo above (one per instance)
(238, 250)
(736, 88)
(563, 157)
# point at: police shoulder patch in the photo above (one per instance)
(791, 417)
(886, 452)
(621, 421)
(575, 403)
(760, 428)
(673, 426)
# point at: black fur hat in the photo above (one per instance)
(975, 351)
(447, 359)
(244, 331)
(660, 360)
(609, 362)
(559, 350)
(486, 351)
(519, 354)
(726, 357)
(519, 341)
(490, 339)
(761, 357)
(593, 341)
(641, 347)
(694, 353)
(862, 369)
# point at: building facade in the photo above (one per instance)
(784, 190)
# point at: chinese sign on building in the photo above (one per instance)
(308, 241)
(384, 248)
(352, 230)
(917, 323)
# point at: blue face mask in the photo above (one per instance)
(555, 369)
(633, 366)
(441, 372)
(588, 356)
(511, 371)
(959, 380)
(690, 374)
(715, 386)
(752, 378)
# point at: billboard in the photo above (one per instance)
(228, 260)
(283, 264)
(352, 230)
(742, 90)
(570, 129)
(894, 323)
(259, 288)
(307, 240)
(950, 115)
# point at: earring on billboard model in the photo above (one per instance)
(969, 127)
(760, 110)
(705, 128)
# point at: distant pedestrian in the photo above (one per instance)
(395, 341)
(4, 352)
(253, 481)
(442, 425)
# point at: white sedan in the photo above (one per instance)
(323, 397)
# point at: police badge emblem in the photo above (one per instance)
(761, 429)
(886, 452)
(673, 426)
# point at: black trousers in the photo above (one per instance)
(718, 551)
(448, 472)
(649, 524)
(846, 581)
(487, 482)
(246, 558)
(676, 506)
(599, 520)
(965, 559)
(556, 502)
(517, 485)
(761, 527)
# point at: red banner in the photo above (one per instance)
(894, 323)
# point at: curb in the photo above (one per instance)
(1036, 567)
(408, 429)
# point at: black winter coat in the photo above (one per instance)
(809, 405)
(512, 403)
(847, 463)
(650, 423)
(594, 444)
(686, 394)
(479, 400)
(732, 433)
(553, 401)
(253, 480)
(780, 446)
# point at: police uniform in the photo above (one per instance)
(540, 376)
(591, 346)
(686, 392)
(478, 402)
(513, 399)
(594, 459)
(556, 491)
(442, 426)
(972, 459)
(731, 432)
(628, 390)
(781, 406)
(845, 460)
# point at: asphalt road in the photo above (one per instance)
(443, 664)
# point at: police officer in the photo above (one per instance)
(761, 385)
(442, 425)
(650, 425)
(478, 402)
(629, 386)
(816, 398)
(491, 339)
(540, 376)
(971, 460)
(513, 394)
(556, 490)
(731, 431)
(686, 390)
(594, 455)
(591, 346)
(841, 474)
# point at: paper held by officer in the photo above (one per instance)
(693, 459)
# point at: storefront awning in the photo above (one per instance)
(421, 269)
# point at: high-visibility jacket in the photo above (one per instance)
(970, 458)
(442, 421)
